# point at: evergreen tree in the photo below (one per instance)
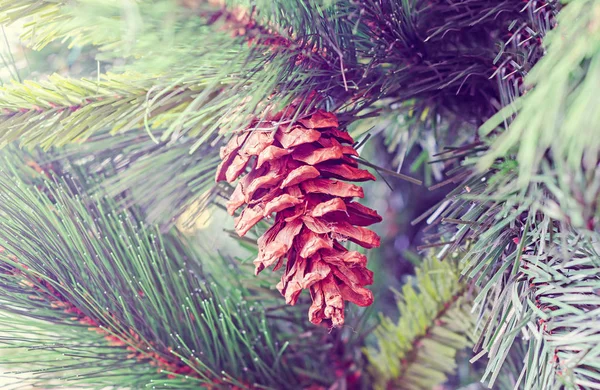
(286, 114)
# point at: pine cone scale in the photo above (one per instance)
(332, 187)
(290, 138)
(313, 155)
(271, 153)
(300, 174)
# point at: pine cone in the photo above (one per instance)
(296, 172)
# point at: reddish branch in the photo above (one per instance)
(241, 22)
(72, 108)
(140, 349)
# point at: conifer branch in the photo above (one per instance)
(546, 124)
(62, 110)
(114, 276)
(98, 23)
(523, 217)
(526, 207)
(419, 351)
(116, 334)
(58, 355)
(217, 82)
(566, 303)
(163, 180)
(43, 12)
(551, 303)
(424, 37)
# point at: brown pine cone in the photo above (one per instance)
(296, 172)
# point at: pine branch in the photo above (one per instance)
(336, 55)
(53, 355)
(414, 124)
(61, 110)
(227, 84)
(217, 82)
(163, 180)
(316, 26)
(118, 29)
(115, 277)
(563, 95)
(552, 302)
(502, 223)
(512, 235)
(566, 307)
(447, 51)
(115, 335)
(523, 217)
(418, 352)
(460, 61)
(43, 12)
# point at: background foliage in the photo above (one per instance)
(111, 117)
